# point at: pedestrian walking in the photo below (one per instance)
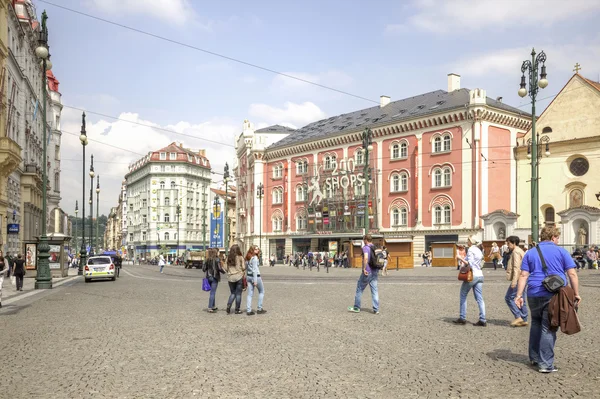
(494, 254)
(254, 281)
(557, 261)
(386, 255)
(475, 260)
(272, 259)
(505, 252)
(3, 272)
(368, 276)
(235, 277)
(161, 262)
(213, 272)
(19, 272)
(513, 271)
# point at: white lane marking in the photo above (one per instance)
(160, 279)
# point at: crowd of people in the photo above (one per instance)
(530, 275)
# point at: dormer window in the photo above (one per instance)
(172, 156)
(163, 156)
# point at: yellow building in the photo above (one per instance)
(10, 152)
(569, 136)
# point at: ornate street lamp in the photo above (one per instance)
(215, 210)
(92, 174)
(226, 181)
(535, 82)
(75, 236)
(260, 191)
(97, 207)
(43, 278)
(367, 145)
(82, 252)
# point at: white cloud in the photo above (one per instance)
(177, 12)
(561, 58)
(112, 163)
(441, 16)
(292, 114)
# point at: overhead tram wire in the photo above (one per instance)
(172, 41)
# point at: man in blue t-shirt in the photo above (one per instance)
(367, 277)
(558, 261)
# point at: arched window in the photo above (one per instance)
(166, 218)
(301, 222)
(403, 150)
(56, 181)
(447, 142)
(278, 171)
(437, 177)
(167, 201)
(301, 167)
(328, 162)
(403, 181)
(360, 157)
(167, 237)
(447, 214)
(162, 185)
(396, 217)
(173, 185)
(395, 183)
(396, 151)
(549, 216)
(437, 144)
(301, 194)
(438, 214)
(447, 177)
(277, 196)
(277, 222)
(328, 192)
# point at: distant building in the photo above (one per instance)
(439, 161)
(158, 185)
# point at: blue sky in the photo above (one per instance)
(396, 48)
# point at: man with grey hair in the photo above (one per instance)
(475, 260)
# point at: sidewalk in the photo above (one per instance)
(10, 293)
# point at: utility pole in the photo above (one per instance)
(204, 217)
(367, 145)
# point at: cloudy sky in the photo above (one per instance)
(141, 92)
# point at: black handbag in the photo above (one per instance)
(553, 282)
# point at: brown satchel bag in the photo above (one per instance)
(465, 274)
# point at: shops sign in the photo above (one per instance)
(343, 176)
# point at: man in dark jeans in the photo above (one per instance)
(19, 272)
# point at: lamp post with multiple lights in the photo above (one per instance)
(43, 278)
(97, 208)
(260, 191)
(92, 174)
(82, 252)
(226, 181)
(367, 145)
(535, 82)
(75, 236)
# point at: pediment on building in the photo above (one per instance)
(500, 212)
(583, 209)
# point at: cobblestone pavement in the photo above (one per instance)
(148, 335)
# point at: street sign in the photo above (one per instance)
(370, 203)
(12, 228)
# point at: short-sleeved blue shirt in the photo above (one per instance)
(558, 261)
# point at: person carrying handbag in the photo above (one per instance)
(235, 277)
(475, 261)
(213, 274)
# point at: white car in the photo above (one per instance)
(99, 267)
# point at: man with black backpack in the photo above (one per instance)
(370, 270)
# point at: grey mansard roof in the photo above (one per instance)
(276, 129)
(408, 108)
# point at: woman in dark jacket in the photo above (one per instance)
(19, 271)
(213, 274)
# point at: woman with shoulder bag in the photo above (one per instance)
(254, 281)
(475, 261)
(213, 274)
(235, 276)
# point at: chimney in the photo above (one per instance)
(453, 82)
(383, 101)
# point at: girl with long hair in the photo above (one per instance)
(213, 274)
(254, 281)
(235, 277)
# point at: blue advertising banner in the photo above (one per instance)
(13, 228)
(216, 226)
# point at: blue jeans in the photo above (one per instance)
(511, 293)
(477, 285)
(363, 281)
(236, 294)
(541, 338)
(213, 292)
(261, 292)
(161, 268)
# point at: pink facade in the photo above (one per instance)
(499, 155)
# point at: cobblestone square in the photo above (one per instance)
(148, 335)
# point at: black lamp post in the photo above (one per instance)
(43, 278)
(97, 207)
(92, 174)
(226, 181)
(75, 235)
(82, 252)
(260, 191)
(367, 145)
(178, 217)
(215, 215)
(535, 82)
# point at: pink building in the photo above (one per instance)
(439, 161)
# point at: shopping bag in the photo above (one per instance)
(13, 280)
(205, 285)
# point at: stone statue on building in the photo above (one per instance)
(501, 234)
(582, 236)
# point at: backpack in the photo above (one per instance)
(376, 258)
